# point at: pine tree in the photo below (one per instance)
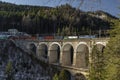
(97, 71)
(58, 32)
(56, 77)
(63, 75)
(8, 71)
(112, 54)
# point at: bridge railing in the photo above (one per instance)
(71, 67)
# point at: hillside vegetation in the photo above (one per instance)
(16, 64)
(62, 20)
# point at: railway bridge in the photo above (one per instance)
(71, 54)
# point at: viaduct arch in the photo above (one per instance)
(54, 53)
(74, 55)
(67, 54)
(82, 55)
(33, 47)
(43, 50)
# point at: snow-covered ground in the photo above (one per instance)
(16, 64)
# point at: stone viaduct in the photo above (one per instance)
(72, 54)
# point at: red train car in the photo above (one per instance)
(49, 37)
(33, 38)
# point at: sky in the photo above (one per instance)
(110, 6)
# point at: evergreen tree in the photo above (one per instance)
(56, 77)
(112, 54)
(9, 71)
(97, 71)
(63, 75)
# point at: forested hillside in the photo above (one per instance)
(62, 20)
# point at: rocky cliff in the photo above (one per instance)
(15, 64)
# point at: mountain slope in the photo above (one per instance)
(62, 20)
(15, 64)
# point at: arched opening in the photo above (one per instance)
(33, 48)
(82, 56)
(67, 55)
(54, 55)
(100, 47)
(65, 74)
(43, 50)
(80, 76)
